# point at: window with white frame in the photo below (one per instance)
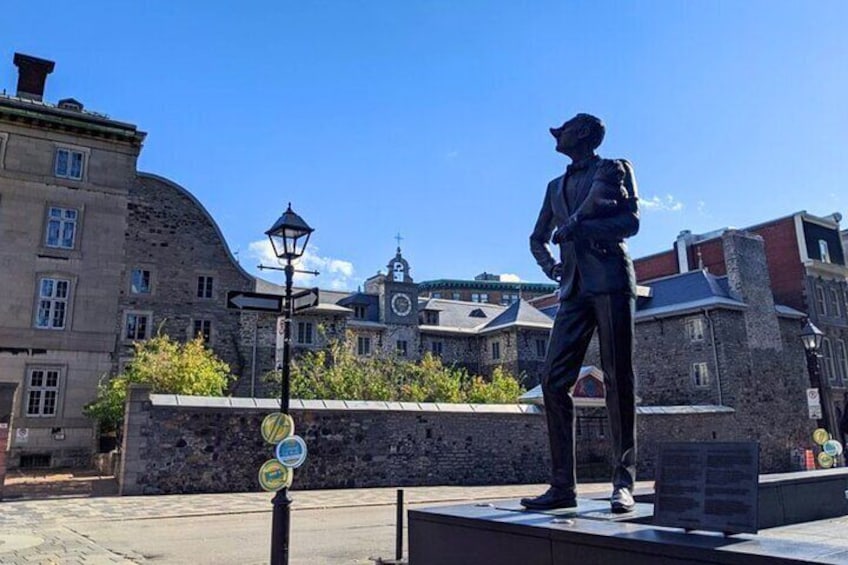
(402, 348)
(140, 283)
(53, 295)
(821, 301)
(202, 328)
(541, 347)
(701, 374)
(305, 333)
(436, 295)
(496, 350)
(835, 303)
(42, 392)
(363, 346)
(70, 163)
(828, 369)
(456, 296)
(204, 286)
(824, 252)
(61, 227)
(359, 311)
(436, 348)
(479, 297)
(695, 329)
(137, 325)
(509, 298)
(841, 360)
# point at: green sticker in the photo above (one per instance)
(276, 427)
(273, 476)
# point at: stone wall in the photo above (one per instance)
(177, 444)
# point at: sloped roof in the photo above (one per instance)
(520, 313)
(455, 315)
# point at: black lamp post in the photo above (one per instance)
(289, 236)
(812, 338)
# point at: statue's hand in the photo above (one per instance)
(606, 190)
(554, 271)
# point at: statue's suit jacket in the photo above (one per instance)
(596, 252)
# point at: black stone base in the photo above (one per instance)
(499, 534)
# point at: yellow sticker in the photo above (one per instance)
(273, 476)
(276, 427)
(820, 436)
(825, 460)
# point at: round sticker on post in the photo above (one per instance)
(291, 452)
(273, 476)
(276, 427)
(832, 448)
(825, 460)
(820, 436)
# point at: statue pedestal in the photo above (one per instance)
(501, 533)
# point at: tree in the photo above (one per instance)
(169, 367)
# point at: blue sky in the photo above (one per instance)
(430, 118)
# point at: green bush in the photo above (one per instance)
(336, 373)
(169, 367)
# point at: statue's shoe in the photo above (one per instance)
(622, 501)
(552, 499)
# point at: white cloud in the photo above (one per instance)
(656, 203)
(336, 274)
(509, 277)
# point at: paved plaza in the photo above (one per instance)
(328, 526)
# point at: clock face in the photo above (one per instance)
(401, 304)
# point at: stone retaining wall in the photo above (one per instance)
(178, 444)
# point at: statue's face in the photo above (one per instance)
(569, 135)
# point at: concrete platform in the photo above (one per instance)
(498, 535)
(803, 518)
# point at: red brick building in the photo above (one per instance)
(805, 256)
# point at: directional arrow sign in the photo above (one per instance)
(240, 300)
(305, 299)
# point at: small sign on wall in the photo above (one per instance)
(814, 404)
(21, 436)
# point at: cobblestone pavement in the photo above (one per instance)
(47, 531)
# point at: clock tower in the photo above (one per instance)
(399, 296)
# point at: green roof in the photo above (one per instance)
(440, 284)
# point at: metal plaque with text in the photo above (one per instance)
(708, 486)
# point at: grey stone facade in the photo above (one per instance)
(172, 237)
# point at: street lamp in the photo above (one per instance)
(812, 338)
(289, 236)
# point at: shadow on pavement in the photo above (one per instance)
(57, 483)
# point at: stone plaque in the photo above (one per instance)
(708, 486)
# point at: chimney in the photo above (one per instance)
(684, 241)
(32, 74)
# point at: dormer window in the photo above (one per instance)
(359, 311)
(824, 252)
(477, 313)
(431, 317)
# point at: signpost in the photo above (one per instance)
(254, 301)
(305, 299)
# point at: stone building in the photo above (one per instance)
(805, 259)
(485, 288)
(95, 257)
(65, 178)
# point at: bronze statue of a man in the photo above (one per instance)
(588, 212)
